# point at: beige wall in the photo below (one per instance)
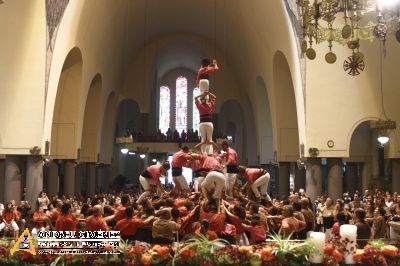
(22, 75)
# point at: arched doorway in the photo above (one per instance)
(67, 107)
(231, 123)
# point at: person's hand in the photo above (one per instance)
(214, 62)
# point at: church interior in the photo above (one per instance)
(89, 89)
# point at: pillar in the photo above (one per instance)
(352, 179)
(12, 186)
(79, 178)
(34, 179)
(103, 176)
(284, 180)
(366, 174)
(91, 176)
(313, 178)
(69, 177)
(396, 175)
(299, 178)
(335, 178)
(53, 179)
(2, 179)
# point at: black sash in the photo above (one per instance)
(232, 169)
(176, 171)
(146, 174)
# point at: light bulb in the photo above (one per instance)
(142, 156)
(131, 153)
(154, 160)
(124, 150)
(383, 139)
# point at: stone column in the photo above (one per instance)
(366, 175)
(2, 179)
(69, 177)
(335, 178)
(299, 178)
(79, 178)
(284, 180)
(103, 176)
(34, 179)
(352, 179)
(313, 178)
(12, 186)
(91, 176)
(53, 180)
(395, 175)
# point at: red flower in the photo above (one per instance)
(328, 249)
(267, 254)
(389, 250)
(337, 255)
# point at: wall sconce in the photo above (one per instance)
(47, 147)
(314, 152)
(35, 150)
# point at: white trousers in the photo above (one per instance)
(230, 183)
(197, 183)
(13, 225)
(242, 240)
(204, 86)
(206, 131)
(214, 180)
(180, 182)
(36, 230)
(260, 186)
(145, 182)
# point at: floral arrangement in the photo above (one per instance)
(203, 252)
(377, 253)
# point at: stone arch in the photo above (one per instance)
(231, 118)
(264, 121)
(108, 129)
(91, 122)
(363, 159)
(285, 125)
(360, 125)
(67, 107)
(128, 113)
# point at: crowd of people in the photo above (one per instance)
(174, 215)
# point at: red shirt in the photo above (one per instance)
(206, 108)
(216, 220)
(257, 233)
(253, 174)
(230, 154)
(38, 218)
(180, 159)
(129, 226)
(155, 172)
(9, 216)
(205, 70)
(96, 223)
(120, 213)
(237, 222)
(66, 223)
(209, 163)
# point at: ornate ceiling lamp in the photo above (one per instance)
(384, 124)
(347, 22)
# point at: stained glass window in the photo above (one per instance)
(196, 115)
(165, 96)
(181, 104)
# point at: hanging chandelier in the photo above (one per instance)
(347, 22)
